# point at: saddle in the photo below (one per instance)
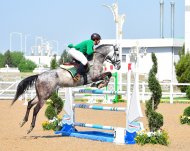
(72, 68)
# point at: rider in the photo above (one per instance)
(82, 51)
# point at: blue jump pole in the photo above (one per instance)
(99, 91)
(96, 126)
(96, 107)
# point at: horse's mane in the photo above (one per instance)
(103, 45)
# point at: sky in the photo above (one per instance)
(72, 21)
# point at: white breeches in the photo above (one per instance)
(78, 55)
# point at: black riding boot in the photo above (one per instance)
(87, 67)
(81, 69)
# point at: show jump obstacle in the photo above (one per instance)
(119, 135)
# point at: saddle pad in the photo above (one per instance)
(66, 66)
(71, 69)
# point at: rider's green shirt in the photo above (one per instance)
(86, 47)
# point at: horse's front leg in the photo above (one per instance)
(102, 80)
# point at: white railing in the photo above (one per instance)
(8, 90)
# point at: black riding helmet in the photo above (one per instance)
(95, 36)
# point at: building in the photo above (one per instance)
(166, 51)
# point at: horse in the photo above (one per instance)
(47, 82)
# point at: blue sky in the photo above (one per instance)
(72, 21)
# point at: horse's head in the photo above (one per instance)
(110, 53)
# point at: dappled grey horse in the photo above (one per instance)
(47, 82)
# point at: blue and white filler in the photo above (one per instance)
(119, 135)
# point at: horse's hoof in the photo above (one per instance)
(101, 85)
(30, 130)
(22, 123)
(93, 85)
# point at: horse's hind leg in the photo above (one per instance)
(31, 103)
(35, 112)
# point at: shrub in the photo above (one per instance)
(185, 118)
(50, 112)
(155, 120)
(157, 137)
(57, 103)
(187, 111)
(182, 68)
(26, 65)
(188, 92)
(54, 124)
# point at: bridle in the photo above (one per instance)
(114, 58)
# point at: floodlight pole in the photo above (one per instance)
(10, 42)
(135, 53)
(119, 21)
(25, 38)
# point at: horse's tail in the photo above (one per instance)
(23, 86)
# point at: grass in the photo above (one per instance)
(175, 100)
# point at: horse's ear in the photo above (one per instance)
(116, 47)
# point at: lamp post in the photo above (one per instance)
(33, 48)
(134, 54)
(25, 38)
(10, 40)
(161, 19)
(48, 48)
(37, 39)
(119, 21)
(57, 45)
(172, 3)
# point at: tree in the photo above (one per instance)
(54, 63)
(182, 68)
(7, 59)
(2, 60)
(65, 57)
(155, 120)
(16, 57)
(26, 65)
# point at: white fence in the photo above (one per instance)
(8, 90)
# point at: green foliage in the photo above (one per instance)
(186, 112)
(16, 59)
(54, 107)
(155, 120)
(2, 60)
(54, 124)
(7, 59)
(57, 102)
(53, 64)
(182, 51)
(188, 92)
(182, 68)
(26, 65)
(65, 57)
(158, 137)
(50, 112)
(185, 119)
